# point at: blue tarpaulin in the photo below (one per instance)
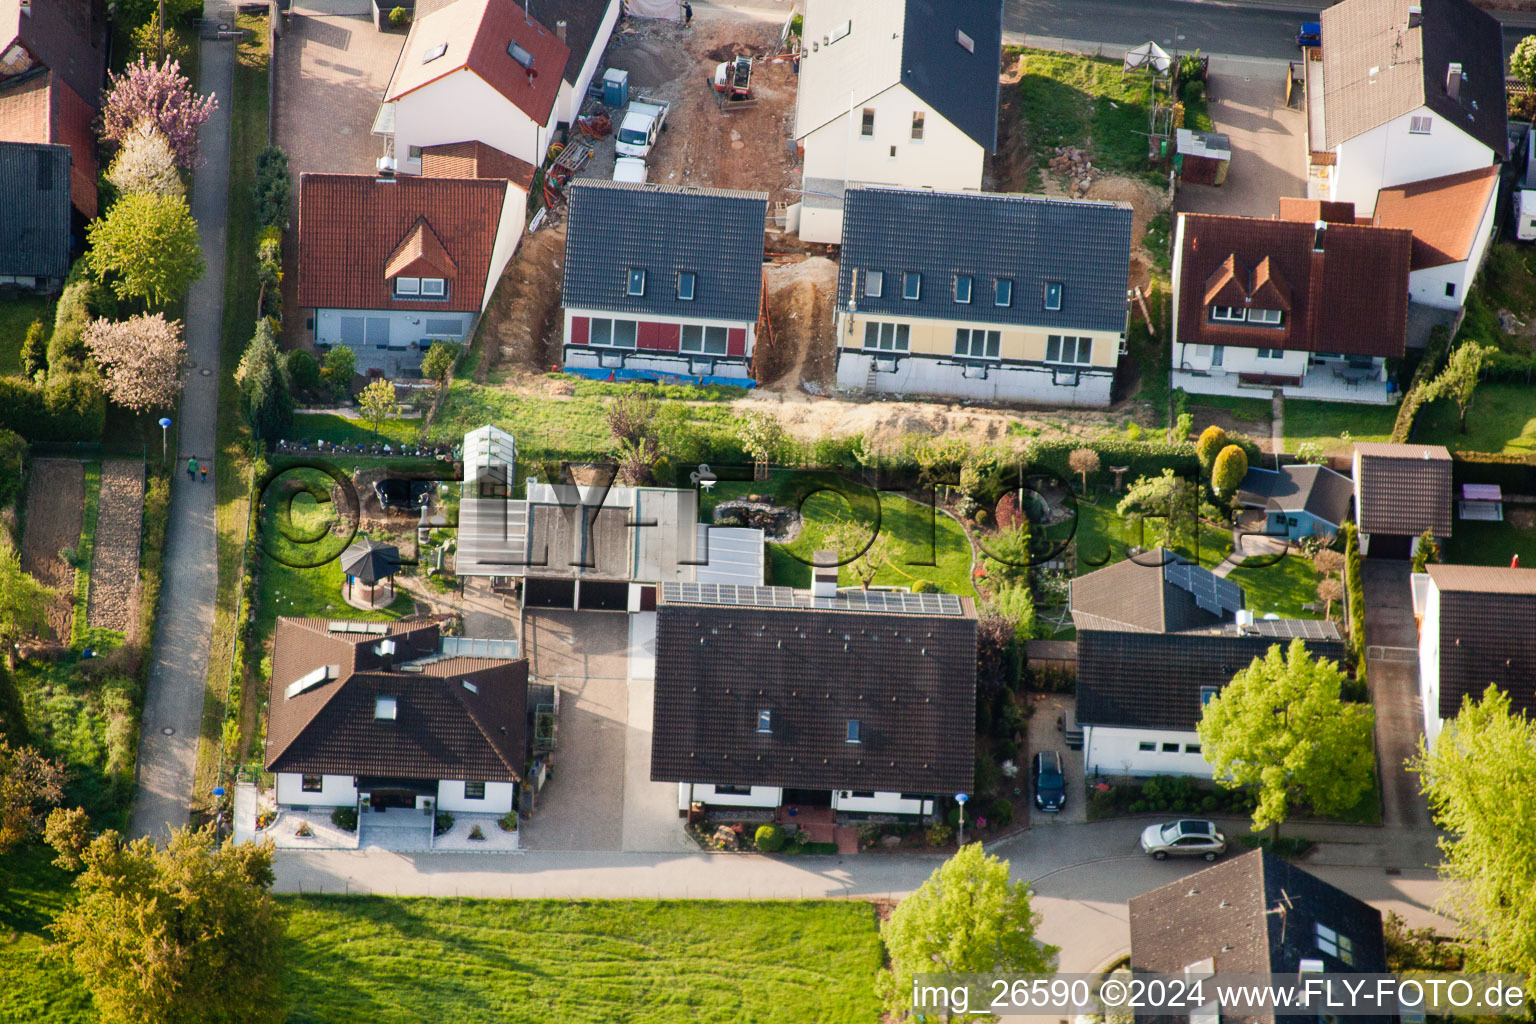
(658, 376)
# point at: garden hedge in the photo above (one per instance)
(1355, 586)
(1413, 398)
(69, 407)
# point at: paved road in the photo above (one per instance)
(173, 705)
(1392, 670)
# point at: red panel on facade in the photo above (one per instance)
(736, 342)
(647, 335)
(579, 328)
(670, 337)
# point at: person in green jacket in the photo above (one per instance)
(191, 469)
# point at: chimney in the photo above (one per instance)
(824, 574)
(385, 649)
(1415, 15)
(1319, 229)
(1453, 81)
(26, 7)
(560, 29)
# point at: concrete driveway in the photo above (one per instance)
(1247, 103)
(651, 823)
(1043, 735)
(1392, 670)
(585, 655)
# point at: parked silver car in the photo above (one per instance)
(1188, 837)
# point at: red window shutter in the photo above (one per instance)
(579, 327)
(648, 335)
(736, 342)
(669, 337)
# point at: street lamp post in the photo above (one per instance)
(961, 798)
(165, 438)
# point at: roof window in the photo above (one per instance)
(765, 721)
(520, 55)
(911, 286)
(434, 53)
(966, 42)
(471, 687)
(1052, 295)
(636, 282)
(855, 732)
(874, 284)
(962, 288)
(1208, 694)
(384, 709)
(686, 281)
(1002, 293)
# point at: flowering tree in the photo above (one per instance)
(146, 164)
(161, 95)
(142, 357)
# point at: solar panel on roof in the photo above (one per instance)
(1211, 593)
(784, 597)
(1292, 629)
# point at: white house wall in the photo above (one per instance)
(879, 803)
(761, 796)
(336, 791)
(1237, 360)
(509, 232)
(498, 798)
(568, 103)
(459, 108)
(405, 325)
(1429, 666)
(1109, 750)
(945, 157)
(1390, 154)
(1428, 285)
(1013, 383)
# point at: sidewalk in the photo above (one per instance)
(173, 704)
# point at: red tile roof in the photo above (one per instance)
(1443, 213)
(352, 225)
(67, 36)
(421, 254)
(43, 108)
(1313, 210)
(475, 160)
(1349, 297)
(476, 35)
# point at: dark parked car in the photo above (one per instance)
(1050, 783)
(402, 495)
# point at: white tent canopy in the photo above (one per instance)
(1148, 56)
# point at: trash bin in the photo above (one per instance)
(615, 87)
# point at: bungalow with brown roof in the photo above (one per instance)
(1311, 306)
(1401, 490)
(1477, 628)
(390, 265)
(395, 714)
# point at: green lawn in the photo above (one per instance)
(1281, 588)
(1326, 422)
(1069, 100)
(1502, 419)
(17, 313)
(324, 426)
(1255, 411)
(1474, 543)
(1102, 537)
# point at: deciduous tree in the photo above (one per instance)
(1329, 591)
(378, 401)
(68, 831)
(439, 360)
(141, 359)
(1522, 62)
(23, 602)
(631, 416)
(967, 918)
(867, 554)
(1458, 381)
(161, 95)
(1282, 728)
(28, 783)
(146, 248)
(1083, 461)
(146, 163)
(339, 367)
(1478, 779)
(761, 436)
(181, 934)
(1228, 470)
(1169, 501)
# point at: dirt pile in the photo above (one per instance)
(1079, 171)
(522, 325)
(799, 344)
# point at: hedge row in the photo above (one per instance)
(1354, 584)
(69, 407)
(1413, 398)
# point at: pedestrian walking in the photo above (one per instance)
(203, 468)
(191, 469)
(687, 14)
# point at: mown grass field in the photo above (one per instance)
(1280, 588)
(1103, 536)
(1325, 423)
(16, 314)
(1502, 419)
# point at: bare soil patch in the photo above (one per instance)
(522, 326)
(801, 296)
(115, 554)
(55, 502)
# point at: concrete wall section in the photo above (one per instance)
(1111, 750)
(944, 158)
(1012, 382)
(335, 791)
(497, 800)
(1429, 667)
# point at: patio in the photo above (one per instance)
(1320, 384)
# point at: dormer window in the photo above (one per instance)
(421, 288)
(765, 721)
(686, 280)
(434, 53)
(1267, 317)
(874, 284)
(1208, 694)
(1228, 314)
(636, 282)
(962, 289)
(1002, 292)
(1052, 296)
(519, 54)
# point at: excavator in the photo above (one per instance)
(733, 82)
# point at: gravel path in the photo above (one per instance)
(55, 502)
(115, 558)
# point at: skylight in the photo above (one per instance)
(686, 280)
(765, 721)
(1052, 295)
(911, 286)
(471, 687)
(310, 680)
(636, 282)
(854, 731)
(840, 32)
(1003, 294)
(434, 53)
(965, 41)
(520, 55)
(874, 283)
(384, 709)
(962, 288)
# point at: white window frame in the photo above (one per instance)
(1266, 317)
(634, 278)
(1002, 292)
(704, 339)
(1081, 349)
(1420, 124)
(689, 279)
(434, 288)
(874, 284)
(1228, 314)
(1053, 305)
(888, 337)
(967, 340)
(407, 287)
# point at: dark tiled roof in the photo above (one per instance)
(1227, 913)
(351, 224)
(34, 221)
(1135, 594)
(1153, 680)
(1350, 297)
(1376, 68)
(1083, 245)
(1443, 213)
(1315, 489)
(41, 107)
(68, 36)
(474, 160)
(960, 83)
(442, 729)
(1487, 634)
(910, 681)
(613, 227)
(1405, 489)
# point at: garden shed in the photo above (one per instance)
(1201, 158)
